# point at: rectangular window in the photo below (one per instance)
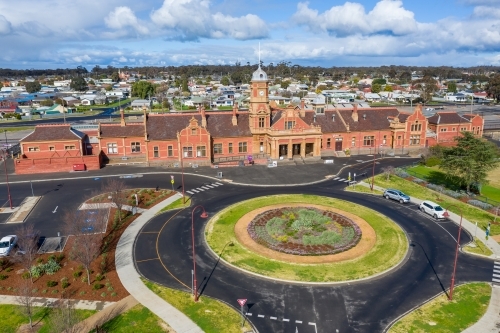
(136, 147)
(156, 151)
(262, 122)
(416, 127)
(414, 140)
(230, 148)
(170, 151)
(289, 125)
(217, 148)
(353, 142)
(463, 129)
(69, 147)
(52, 148)
(193, 131)
(201, 151)
(188, 151)
(242, 147)
(328, 143)
(112, 148)
(454, 129)
(320, 110)
(369, 141)
(33, 149)
(443, 130)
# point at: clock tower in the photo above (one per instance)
(260, 113)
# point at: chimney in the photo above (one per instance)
(122, 117)
(314, 117)
(302, 104)
(145, 114)
(333, 117)
(234, 120)
(203, 117)
(355, 112)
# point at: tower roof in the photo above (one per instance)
(259, 75)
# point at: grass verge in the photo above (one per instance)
(389, 249)
(362, 189)
(19, 128)
(469, 304)
(137, 319)
(210, 315)
(480, 248)
(176, 205)
(12, 317)
(471, 213)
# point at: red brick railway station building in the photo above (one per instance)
(264, 131)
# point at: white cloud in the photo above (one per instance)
(5, 26)
(388, 16)
(193, 19)
(122, 18)
(486, 11)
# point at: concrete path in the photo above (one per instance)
(130, 278)
(490, 322)
(19, 214)
(50, 302)
(107, 205)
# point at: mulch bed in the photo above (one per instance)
(111, 290)
(147, 197)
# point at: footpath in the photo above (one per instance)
(490, 322)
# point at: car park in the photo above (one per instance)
(7, 243)
(396, 195)
(432, 209)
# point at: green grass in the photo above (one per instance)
(412, 189)
(137, 319)
(176, 205)
(390, 246)
(479, 249)
(12, 317)
(469, 303)
(15, 129)
(209, 314)
(97, 107)
(362, 189)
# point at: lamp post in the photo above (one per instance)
(4, 157)
(203, 215)
(452, 284)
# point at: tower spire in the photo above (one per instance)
(259, 54)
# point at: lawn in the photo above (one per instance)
(12, 317)
(15, 129)
(362, 189)
(469, 304)
(480, 248)
(389, 249)
(176, 205)
(209, 314)
(137, 319)
(471, 213)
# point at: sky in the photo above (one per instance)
(65, 34)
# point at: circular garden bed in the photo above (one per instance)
(304, 231)
(378, 245)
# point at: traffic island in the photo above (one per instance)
(382, 244)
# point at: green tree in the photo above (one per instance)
(47, 102)
(493, 87)
(115, 77)
(379, 81)
(225, 81)
(143, 89)
(427, 86)
(285, 84)
(388, 88)
(32, 87)
(470, 160)
(452, 87)
(78, 84)
(376, 88)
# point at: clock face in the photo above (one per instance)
(261, 93)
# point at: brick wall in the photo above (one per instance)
(48, 165)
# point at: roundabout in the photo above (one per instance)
(308, 239)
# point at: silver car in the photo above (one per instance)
(7, 243)
(396, 195)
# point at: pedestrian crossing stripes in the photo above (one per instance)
(496, 272)
(203, 188)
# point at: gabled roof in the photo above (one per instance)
(443, 118)
(53, 133)
(118, 131)
(370, 119)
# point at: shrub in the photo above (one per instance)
(26, 275)
(55, 291)
(84, 279)
(37, 271)
(114, 294)
(110, 289)
(9, 269)
(44, 291)
(51, 267)
(51, 283)
(39, 260)
(64, 282)
(99, 277)
(103, 294)
(34, 291)
(51, 257)
(9, 288)
(453, 194)
(432, 161)
(435, 187)
(82, 293)
(401, 173)
(3, 277)
(77, 274)
(97, 286)
(480, 204)
(60, 257)
(418, 180)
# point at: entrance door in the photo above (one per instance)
(283, 150)
(338, 145)
(296, 149)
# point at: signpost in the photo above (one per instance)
(172, 181)
(242, 302)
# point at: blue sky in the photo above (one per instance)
(62, 33)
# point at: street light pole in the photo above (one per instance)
(452, 284)
(203, 215)
(4, 152)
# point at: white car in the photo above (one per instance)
(7, 243)
(432, 209)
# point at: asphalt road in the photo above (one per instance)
(355, 307)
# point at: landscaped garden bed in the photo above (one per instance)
(304, 231)
(147, 198)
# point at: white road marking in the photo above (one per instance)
(298, 321)
(200, 189)
(206, 188)
(249, 314)
(194, 191)
(315, 328)
(286, 319)
(274, 318)
(260, 316)
(55, 210)
(209, 186)
(496, 275)
(341, 179)
(495, 280)
(219, 183)
(336, 178)
(496, 271)
(189, 192)
(213, 184)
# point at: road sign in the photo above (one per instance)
(172, 181)
(242, 302)
(172, 177)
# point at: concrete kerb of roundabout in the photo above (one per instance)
(403, 257)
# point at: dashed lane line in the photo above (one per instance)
(274, 318)
(260, 316)
(189, 192)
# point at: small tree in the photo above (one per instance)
(65, 318)
(87, 226)
(116, 190)
(388, 172)
(25, 299)
(27, 247)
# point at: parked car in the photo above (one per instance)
(7, 243)
(432, 209)
(396, 195)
